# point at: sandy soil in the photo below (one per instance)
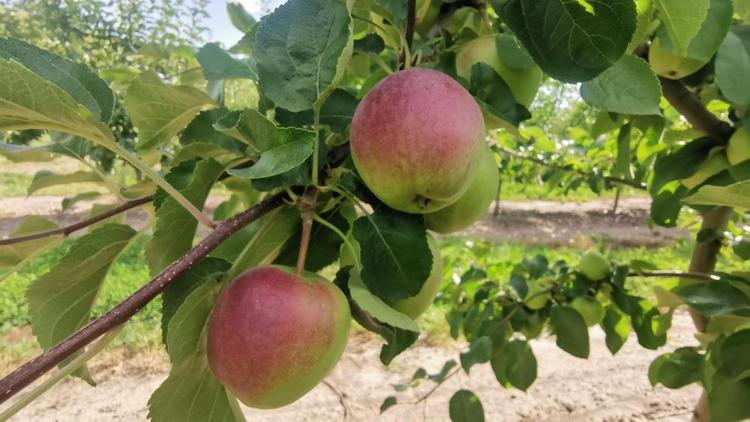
(604, 388)
(532, 222)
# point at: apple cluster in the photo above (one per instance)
(417, 141)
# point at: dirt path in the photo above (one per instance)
(533, 222)
(604, 388)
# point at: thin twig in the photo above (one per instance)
(411, 17)
(64, 231)
(611, 179)
(341, 397)
(35, 368)
(306, 205)
(692, 275)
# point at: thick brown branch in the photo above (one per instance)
(687, 104)
(118, 315)
(64, 231)
(611, 179)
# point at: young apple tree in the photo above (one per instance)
(378, 122)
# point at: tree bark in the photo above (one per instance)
(703, 261)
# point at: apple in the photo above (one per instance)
(670, 65)
(523, 83)
(594, 265)
(414, 139)
(274, 335)
(714, 164)
(738, 149)
(474, 203)
(590, 309)
(415, 306)
(536, 297)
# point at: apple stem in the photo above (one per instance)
(306, 205)
(343, 237)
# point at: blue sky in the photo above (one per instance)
(220, 26)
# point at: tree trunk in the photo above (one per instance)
(496, 212)
(703, 260)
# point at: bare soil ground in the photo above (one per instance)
(604, 388)
(532, 222)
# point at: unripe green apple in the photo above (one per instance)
(414, 140)
(594, 265)
(474, 203)
(536, 297)
(523, 83)
(273, 335)
(738, 149)
(714, 164)
(415, 306)
(670, 65)
(591, 310)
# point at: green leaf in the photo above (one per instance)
(389, 402)
(197, 150)
(515, 364)
(45, 178)
(479, 351)
(512, 52)
(713, 30)
(494, 94)
(628, 87)
(682, 20)
(622, 165)
(17, 253)
(159, 111)
(677, 369)
(731, 358)
(444, 371)
(71, 146)
(274, 231)
(239, 16)
(714, 298)
(217, 64)
(278, 160)
(465, 406)
(397, 343)
(616, 328)
(27, 101)
(254, 129)
(732, 67)
(186, 327)
(69, 202)
(736, 195)
(680, 164)
(60, 301)
(337, 112)
(75, 79)
(396, 259)
(173, 297)
(396, 9)
(572, 41)
(378, 309)
(202, 129)
(571, 331)
(191, 393)
(725, 398)
(175, 227)
(300, 49)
